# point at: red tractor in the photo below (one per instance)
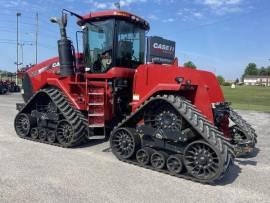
(163, 117)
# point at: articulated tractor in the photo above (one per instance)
(163, 117)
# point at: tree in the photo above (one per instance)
(220, 79)
(262, 71)
(268, 70)
(190, 64)
(251, 69)
(236, 81)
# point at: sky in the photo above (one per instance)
(221, 36)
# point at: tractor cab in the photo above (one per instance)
(113, 39)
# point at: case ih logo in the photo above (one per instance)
(160, 50)
(163, 47)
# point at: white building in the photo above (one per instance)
(257, 80)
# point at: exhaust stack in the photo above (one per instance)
(66, 58)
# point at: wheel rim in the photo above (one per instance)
(34, 133)
(51, 137)
(165, 117)
(202, 161)
(22, 125)
(123, 144)
(42, 134)
(143, 156)
(64, 132)
(174, 164)
(158, 160)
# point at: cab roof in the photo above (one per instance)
(95, 16)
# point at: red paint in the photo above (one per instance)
(148, 80)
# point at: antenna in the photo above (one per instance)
(117, 5)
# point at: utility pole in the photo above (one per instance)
(17, 63)
(37, 38)
(21, 45)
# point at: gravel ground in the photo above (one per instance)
(34, 172)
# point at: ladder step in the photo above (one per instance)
(97, 126)
(96, 93)
(95, 114)
(96, 104)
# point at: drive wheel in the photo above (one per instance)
(202, 161)
(124, 143)
(51, 137)
(143, 155)
(22, 125)
(34, 133)
(158, 159)
(64, 134)
(174, 164)
(163, 116)
(42, 134)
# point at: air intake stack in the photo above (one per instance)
(66, 57)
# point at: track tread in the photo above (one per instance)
(74, 117)
(199, 122)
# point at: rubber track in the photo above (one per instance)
(198, 121)
(73, 116)
(243, 125)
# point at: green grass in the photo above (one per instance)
(248, 97)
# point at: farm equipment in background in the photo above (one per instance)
(160, 116)
(3, 87)
(11, 83)
(8, 84)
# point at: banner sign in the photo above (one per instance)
(160, 50)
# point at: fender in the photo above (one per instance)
(159, 88)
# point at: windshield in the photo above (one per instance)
(130, 41)
(99, 45)
(111, 43)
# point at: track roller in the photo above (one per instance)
(143, 155)
(158, 159)
(42, 134)
(175, 164)
(34, 133)
(124, 143)
(51, 137)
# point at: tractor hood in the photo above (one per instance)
(32, 78)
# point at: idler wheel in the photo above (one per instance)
(65, 133)
(22, 125)
(124, 143)
(203, 161)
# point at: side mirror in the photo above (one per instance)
(54, 20)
